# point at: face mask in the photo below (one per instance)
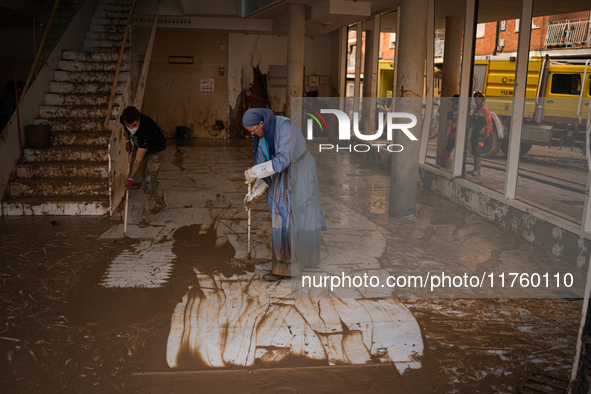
(132, 131)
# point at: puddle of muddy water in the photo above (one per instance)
(192, 244)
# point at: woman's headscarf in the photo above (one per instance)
(253, 117)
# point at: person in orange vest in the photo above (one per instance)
(481, 125)
(450, 131)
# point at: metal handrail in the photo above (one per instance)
(115, 80)
(39, 50)
(567, 33)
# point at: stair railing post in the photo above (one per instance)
(121, 52)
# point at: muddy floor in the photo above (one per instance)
(60, 331)
(63, 333)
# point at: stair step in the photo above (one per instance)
(109, 43)
(85, 88)
(103, 35)
(27, 187)
(76, 169)
(80, 138)
(75, 65)
(112, 13)
(114, 49)
(116, 2)
(75, 111)
(67, 153)
(89, 76)
(94, 56)
(112, 7)
(81, 99)
(65, 124)
(109, 21)
(55, 206)
(107, 28)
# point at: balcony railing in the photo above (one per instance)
(568, 34)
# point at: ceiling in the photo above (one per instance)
(322, 16)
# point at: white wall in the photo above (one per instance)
(29, 106)
(246, 52)
(173, 91)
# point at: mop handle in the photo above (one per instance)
(248, 250)
(126, 201)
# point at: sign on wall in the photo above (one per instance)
(207, 85)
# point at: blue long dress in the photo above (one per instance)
(294, 199)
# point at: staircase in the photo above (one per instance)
(71, 177)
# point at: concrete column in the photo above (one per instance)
(396, 52)
(412, 48)
(367, 65)
(343, 45)
(429, 85)
(521, 66)
(459, 164)
(450, 81)
(358, 51)
(370, 69)
(295, 53)
(370, 73)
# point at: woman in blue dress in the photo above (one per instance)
(284, 165)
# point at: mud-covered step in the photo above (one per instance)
(52, 99)
(75, 111)
(85, 87)
(76, 65)
(118, 2)
(112, 7)
(75, 169)
(68, 124)
(112, 43)
(114, 49)
(101, 35)
(55, 205)
(67, 153)
(121, 14)
(108, 21)
(80, 138)
(93, 56)
(89, 76)
(72, 111)
(27, 187)
(107, 28)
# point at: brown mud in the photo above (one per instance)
(191, 245)
(61, 332)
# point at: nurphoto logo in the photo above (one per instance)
(390, 122)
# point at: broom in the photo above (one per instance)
(249, 209)
(248, 261)
(127, 196)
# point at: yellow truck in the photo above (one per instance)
(556, 102)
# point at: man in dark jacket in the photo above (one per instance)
(150, 142)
